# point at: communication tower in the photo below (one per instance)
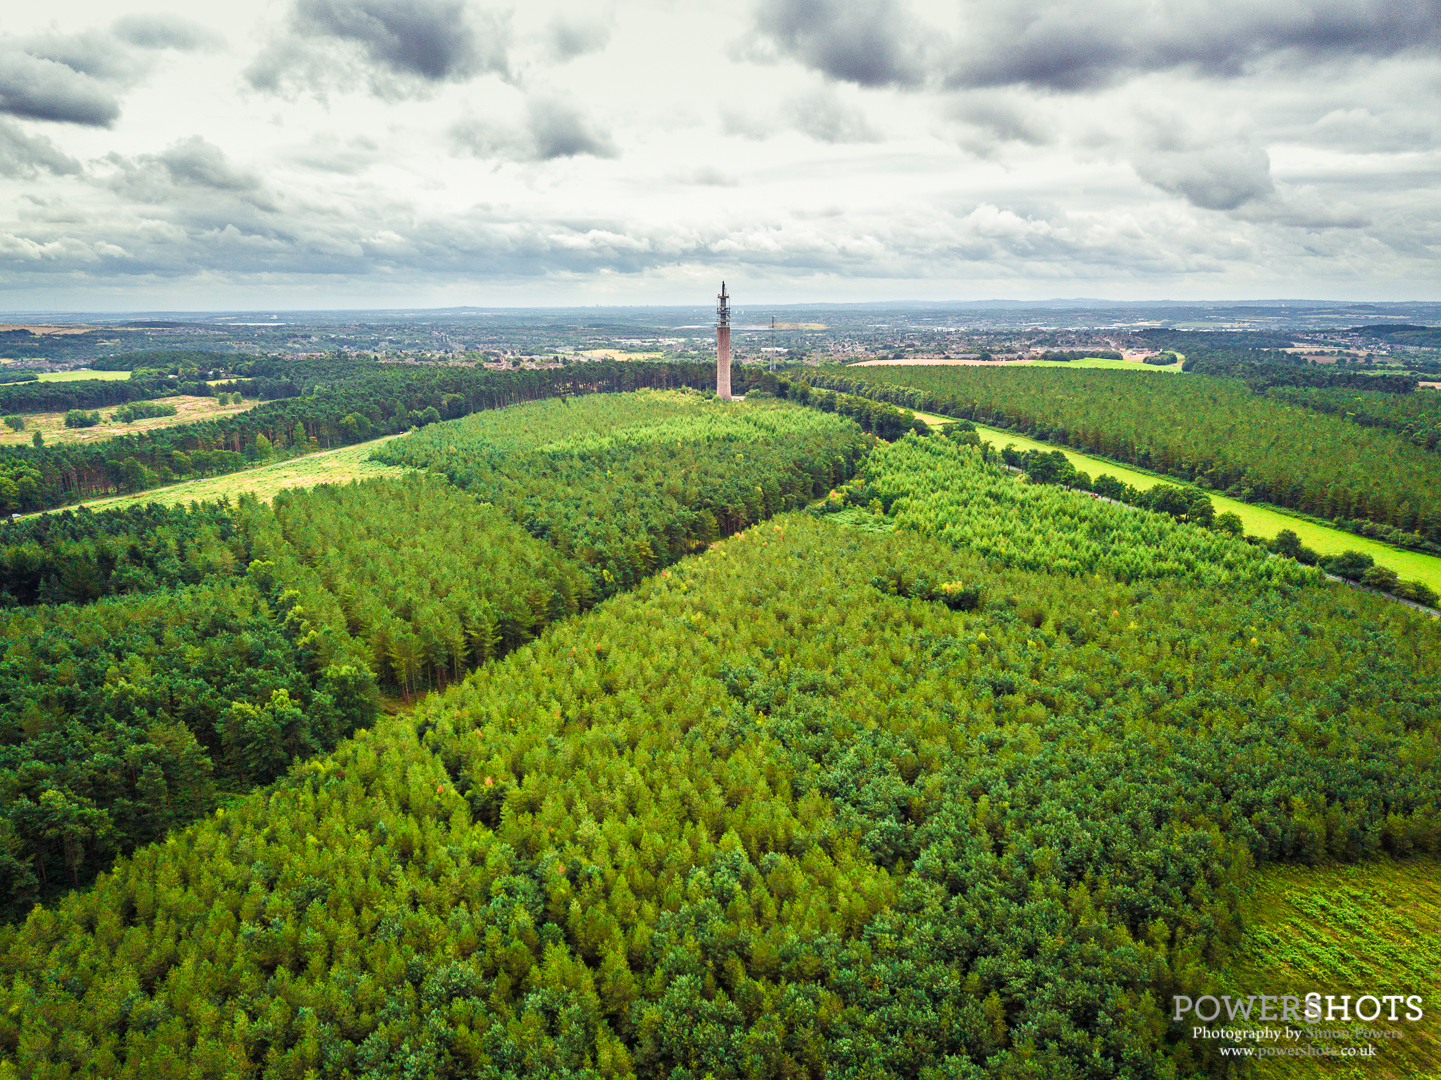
(723, 345)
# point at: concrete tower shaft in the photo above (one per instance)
(723, 345)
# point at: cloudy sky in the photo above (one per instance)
(360, 153)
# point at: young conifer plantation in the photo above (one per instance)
(1296, 450)
(125, 717)
(952, 776)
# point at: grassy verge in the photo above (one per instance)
(328, 467)
(1370, 928)
(51, 425)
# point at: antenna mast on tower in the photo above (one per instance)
(723, 345)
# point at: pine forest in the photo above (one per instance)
(621, 731)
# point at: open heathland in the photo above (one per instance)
(781, 811)
(82, 374)
(1106, 363)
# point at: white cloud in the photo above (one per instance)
(821, 149)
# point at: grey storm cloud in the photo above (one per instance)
(568, 38)
(1215, 178)
(1080, 44)
(401, 45)
(43, 89)
(195, 161)
(428, 38)
(1073, 45)
(551, 129)
(867, 42)
(26, 156)
(192, 180)
(72, 77)
(96, 53)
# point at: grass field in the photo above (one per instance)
(83, 373)
(1258, 520)
(1371, 928)
(51, 425)
(327, 467)
(617, 354)
(1107, 363)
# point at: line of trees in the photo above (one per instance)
(1263, 370)
(76, 556)
(127, 717)
(945, 488)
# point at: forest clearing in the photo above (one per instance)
(263, 481)
(51, 425)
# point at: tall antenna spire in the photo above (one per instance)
(723, 345)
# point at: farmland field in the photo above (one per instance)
(1106, 363)
(51, 425)
(82, 374)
